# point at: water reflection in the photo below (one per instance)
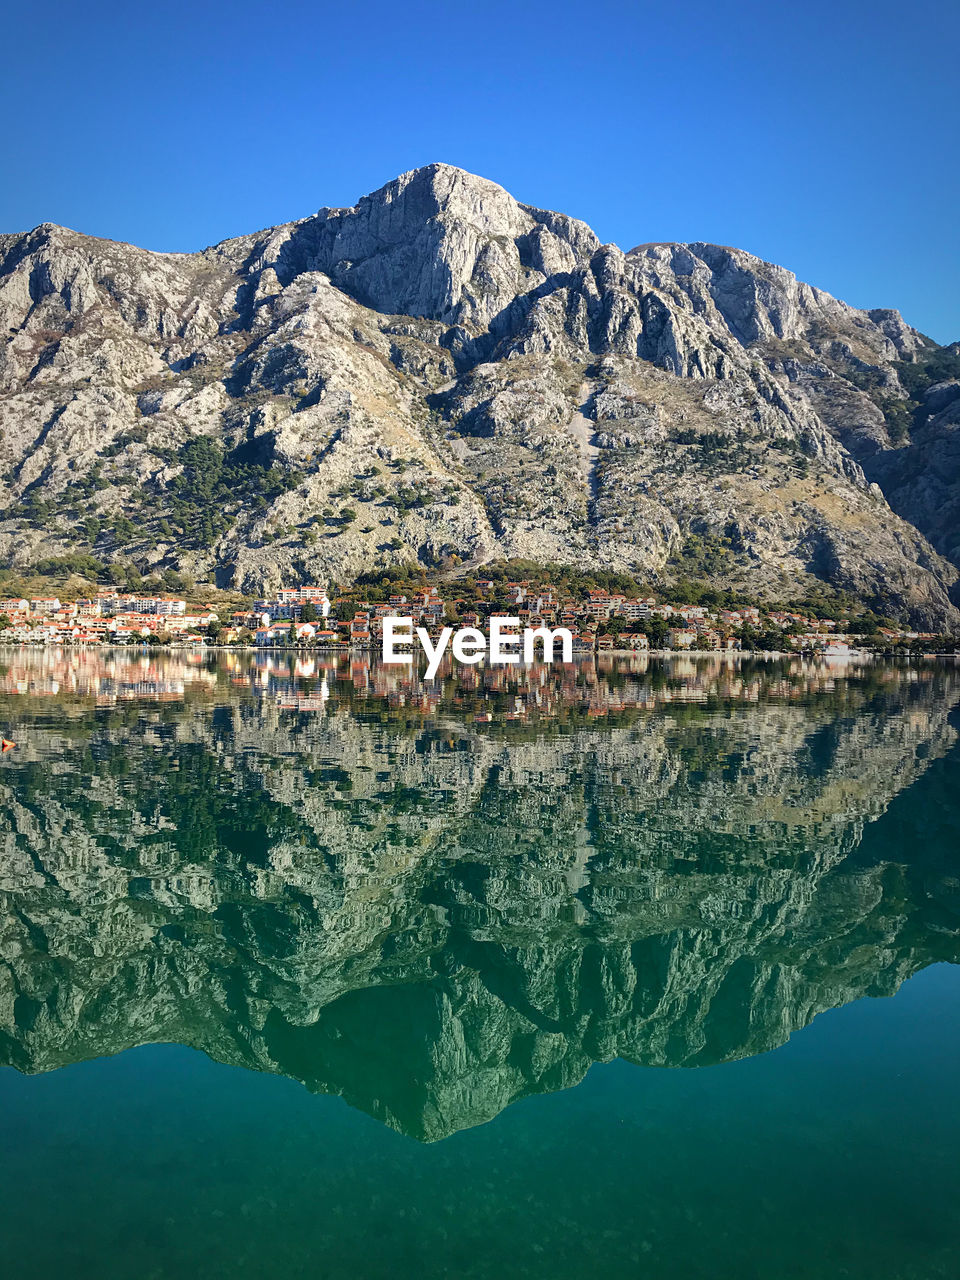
(437, 898)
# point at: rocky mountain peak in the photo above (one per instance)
(442, 190)
(441, 243)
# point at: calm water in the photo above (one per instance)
(308, 970)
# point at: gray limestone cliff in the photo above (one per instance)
(442, 375)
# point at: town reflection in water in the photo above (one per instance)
(435, 898)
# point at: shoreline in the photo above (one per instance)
(858, 655)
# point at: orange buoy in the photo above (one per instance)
(7, 744)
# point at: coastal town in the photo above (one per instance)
(599, 620)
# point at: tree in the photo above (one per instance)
(655, 629)
(309, 612)
(347, 515)
(4, 621)
(123, 530)
(761, 640)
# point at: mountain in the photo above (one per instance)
(434, 919)
(442, 375)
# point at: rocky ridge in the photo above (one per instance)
(442, 375)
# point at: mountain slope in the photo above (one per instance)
(440, 373)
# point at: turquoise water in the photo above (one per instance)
(650, 971)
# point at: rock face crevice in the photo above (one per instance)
(419, 358)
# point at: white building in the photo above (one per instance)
(290, 604)
(43, 606)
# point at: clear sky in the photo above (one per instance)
(820, 134)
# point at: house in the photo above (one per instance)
(359, 629)
(271, 635)
(302, 595)
(681, 638)
(164, 607)
(636, 609)
(108, 602)
(289, 602)
(43, 606)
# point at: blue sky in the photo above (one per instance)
(823, 136)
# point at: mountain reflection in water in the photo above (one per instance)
(436, 899)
